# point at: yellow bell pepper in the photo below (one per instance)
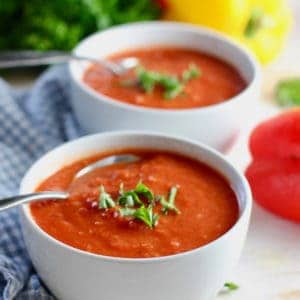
(261, 25)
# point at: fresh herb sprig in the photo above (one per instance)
(105, 199)
(148, 80)
(171, 84)
(138, 203)
(143, 213)
(132, 198)
(192, 72)
(170, 204)
(231, 286)
(288, 92)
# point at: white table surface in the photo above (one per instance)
(269, 268)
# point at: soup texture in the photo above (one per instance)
(206, 206)
(216, 80)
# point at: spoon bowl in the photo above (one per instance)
(106, 161)
(10, 202)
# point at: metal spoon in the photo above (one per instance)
(6, 203)
(13, 59)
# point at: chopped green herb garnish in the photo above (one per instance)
(191, 73)
(170, 204)
(129, 198)
(147, 79)
(126, 212)
(231, 286)
(139, 203)
(144, 214)
(143, 190)
(172, 86)
(288, 92)
(173, 92)
(105, 200)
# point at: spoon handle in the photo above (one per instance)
(31, 58)
(27, 58)
(6, 203)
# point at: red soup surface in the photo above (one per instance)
(208, 207)
(217, 82)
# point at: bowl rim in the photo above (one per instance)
(244, 212)
(183, 28)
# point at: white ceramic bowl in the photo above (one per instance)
(72, 274)
(215, 125)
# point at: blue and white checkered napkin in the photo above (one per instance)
(30, 124)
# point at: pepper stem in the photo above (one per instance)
(256, 22)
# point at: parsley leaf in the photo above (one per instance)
(173, 92)
(130, 204)
(105, 199)
(147, 79)
(143, 190)
(231, 286)
(170, 204)
(129, 198)
(172, 86)
(48, 25)
(191, 73)
(126, 212)
(144, 214)
(288, 92)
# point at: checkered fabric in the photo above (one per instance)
(31, 123)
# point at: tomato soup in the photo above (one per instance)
(207, 207)
(217, 81)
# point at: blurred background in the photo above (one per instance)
(269, 28)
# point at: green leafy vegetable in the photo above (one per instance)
(170, 204)
(288, 92)
(191, 73)
(126, 212)
(147, 79)
(143, 190)
(131, 205)
(61, 24)
(172, 86)
(231, 286)
(174, 91)
(129, 199)
(144, 214)
(105, 200)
